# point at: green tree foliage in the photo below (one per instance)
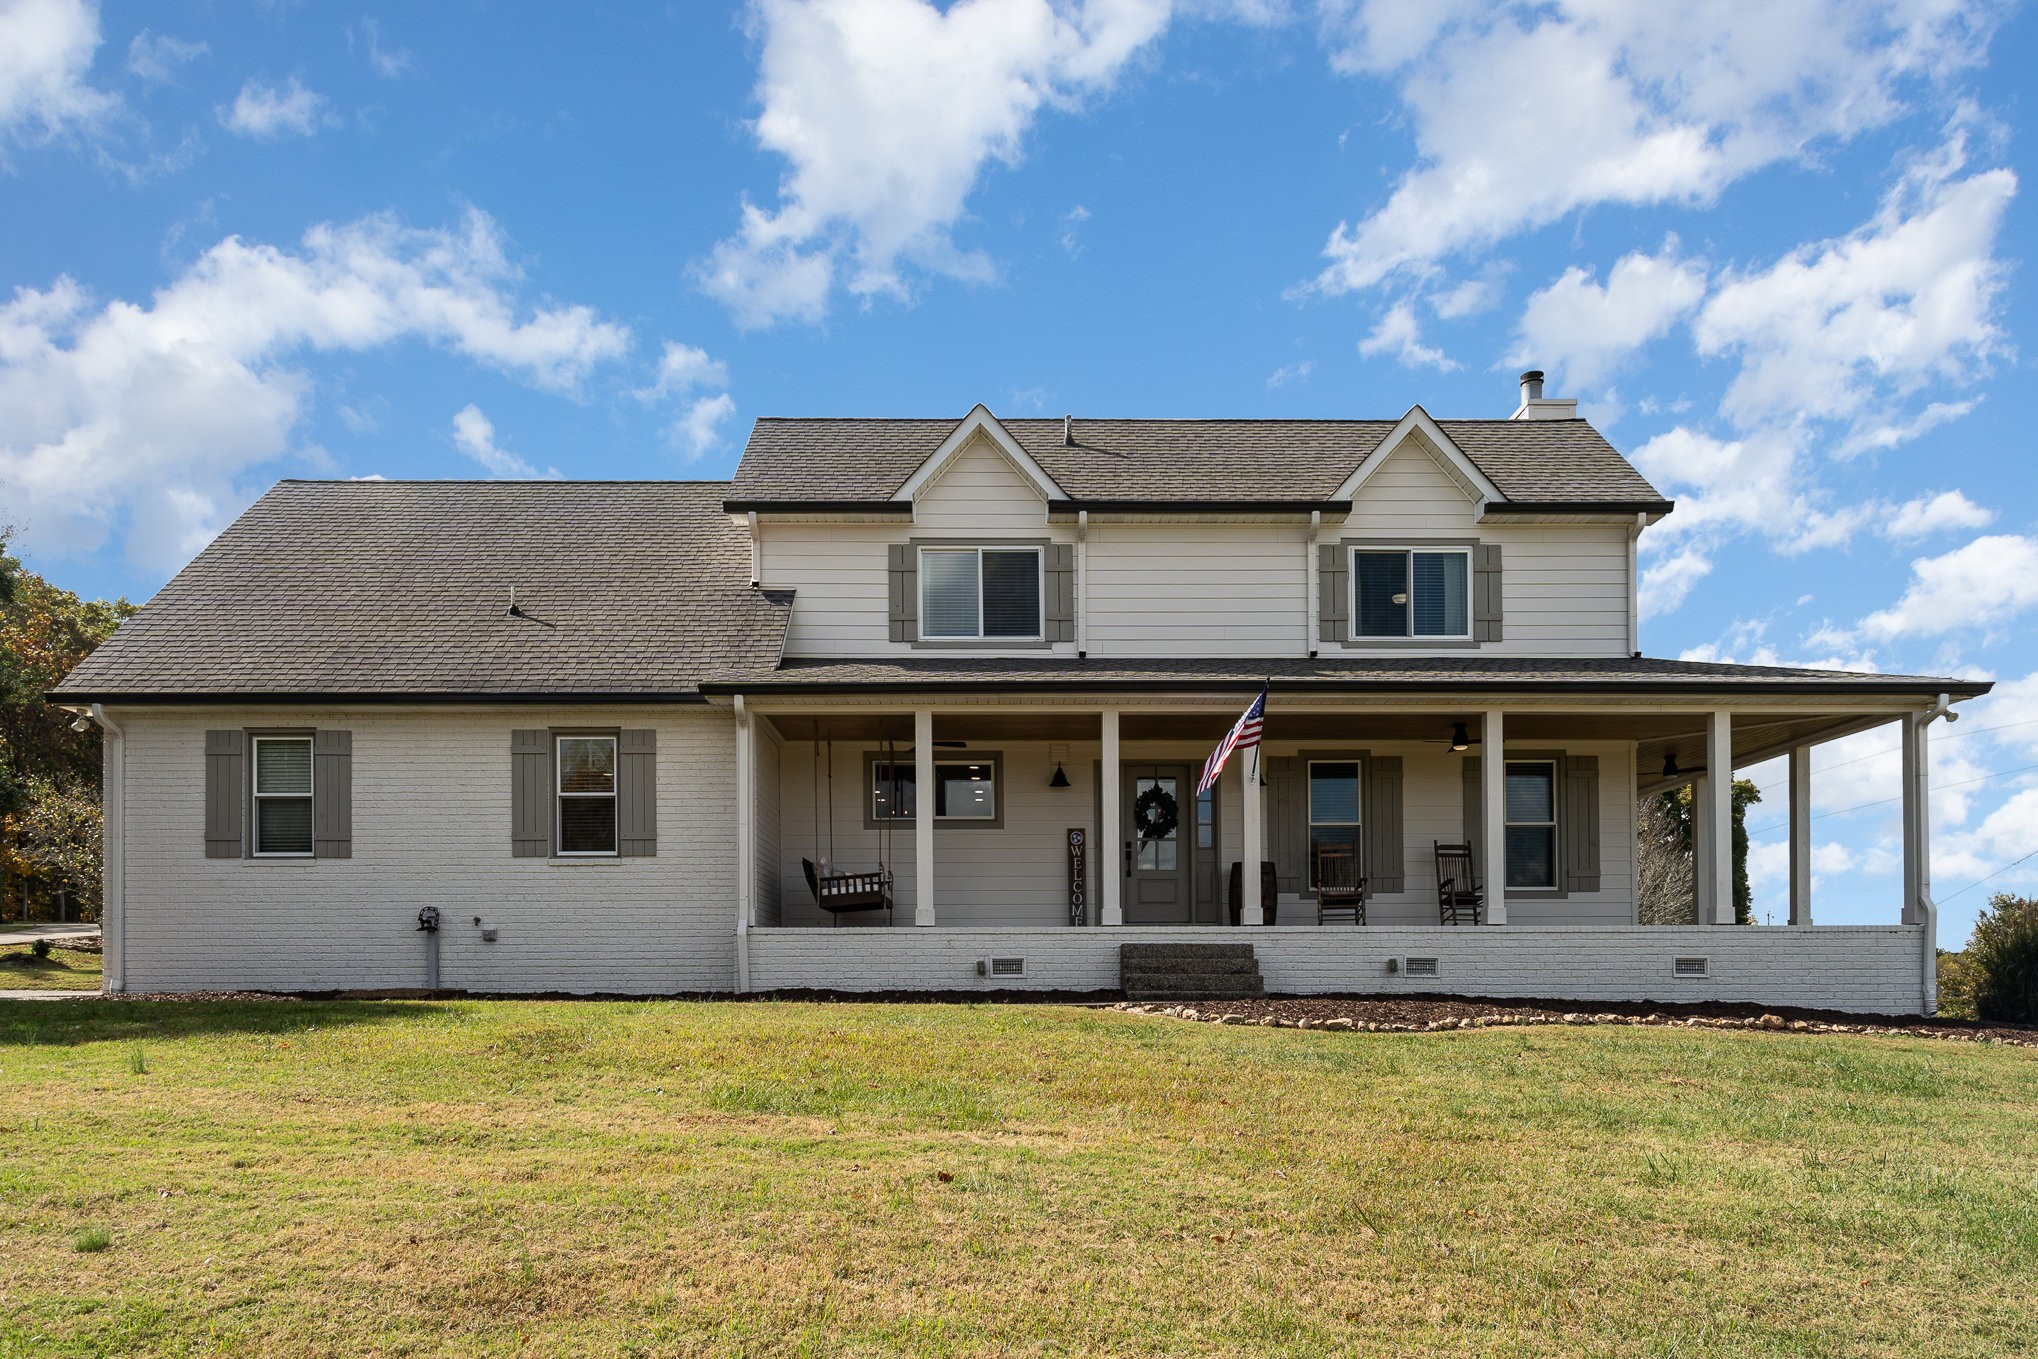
(1997, 977)
(1666, 847)
(49, 774)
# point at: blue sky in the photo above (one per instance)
(1776, 248)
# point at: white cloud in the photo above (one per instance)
(1987, 582)
(264, 111)
(46, 49)
(156, 58)
(697, 431)
(1293, 372)
(689, 376)
(682, 368)
(141, 420)
(474, 433)
(387, 62)
(1929, 514)
(887, 112)
(1525, 112)
(1400, 334)
(1584, 330)
(1839, 329)
(1071, 241)
(1667, 583)
(1470, 297)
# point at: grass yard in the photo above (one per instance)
(66, 969)
(799, 1179)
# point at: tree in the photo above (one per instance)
(1664, 840)
(49, 774)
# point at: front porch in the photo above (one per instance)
(992, 877)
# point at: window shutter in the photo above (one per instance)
(1486, 625)
(332, 794)
(1474, 822)
(637, 793)
(1383, 824)
(226, 781)
(904, 592)
(530, 794)
(1287, 831)
(1059, 563)
(1333, 590)
(1579, 828)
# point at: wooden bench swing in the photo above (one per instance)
(842, 893)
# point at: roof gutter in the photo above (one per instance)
(1622, 507)
(377, 697)
(1297, 507)
(902, 508)
(1467, 684)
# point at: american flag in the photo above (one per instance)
(1244, 735)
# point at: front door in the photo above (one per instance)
(1160, 810)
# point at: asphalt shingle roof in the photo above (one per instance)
(1180, 460)
(399, 588)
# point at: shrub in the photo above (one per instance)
(41, 950)
(2002, 961)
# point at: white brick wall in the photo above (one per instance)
(431, 826)
(1871, 969)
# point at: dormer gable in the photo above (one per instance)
(1418, 431)
(977, 437)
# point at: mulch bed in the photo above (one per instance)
(1438, 1014)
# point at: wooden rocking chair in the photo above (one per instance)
(1459, 894)
(837, 893)
(1339, 886)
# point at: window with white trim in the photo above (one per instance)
(1531, 823)
(1412, 592)
(1333, 814)
(980, 592)
(964, 790)
(586, 795)
(283, 774)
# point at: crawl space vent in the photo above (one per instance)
(1422, 967)
(1690, 967)
(1008, 967)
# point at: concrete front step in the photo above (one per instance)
(1193, 967)
(1144, 955)
(1189, 972)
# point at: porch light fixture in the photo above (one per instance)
(1460, 738)
(1060, 779)
(1671, 771)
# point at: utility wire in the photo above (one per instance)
(1997, 874)
(1949, 736)
(1884, 801)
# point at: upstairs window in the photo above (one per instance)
(1412, 593)
(587, 795)
(980, 592)
(282, 796)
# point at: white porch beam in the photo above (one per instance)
(1493, 814)
(1801, 835)
(923, 816)
(1111, 835)
(1253, 852)
(1719, 807)
(746, 839)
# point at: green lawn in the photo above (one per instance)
(664, 1178)
(66, 969)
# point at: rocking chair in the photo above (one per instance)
(1460, 896)
(1339, 886)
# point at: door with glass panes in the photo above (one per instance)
(1159, 861)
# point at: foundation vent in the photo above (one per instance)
(1421, 967)
(1002, 967)
(1690, 967)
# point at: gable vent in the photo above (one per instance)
(1690, 967)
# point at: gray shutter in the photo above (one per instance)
(1383, 824)
(332, 794)
(1059, 591)
(1474, 822)
(637, 793)
(1333, 590)
(1287, 833)
(530, 794)
(226, 782)
(1486, 598)
(1579, 827)
(903, 592)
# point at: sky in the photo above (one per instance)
(1775, 248)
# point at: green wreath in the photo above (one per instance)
(1155, 814)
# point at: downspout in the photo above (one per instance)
(1082, 583)
(1635, 585)
(1928, 910)
(746, 849)
(113, 848)
(756, 552)
(1314, 609)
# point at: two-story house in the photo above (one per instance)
(923, 705)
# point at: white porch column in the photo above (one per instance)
(746, 838)
(1918, 906)
(1719, 816)
(1493, 814)
(1252, 809)
(1801, 835)
(923, 816)
(1111, 835)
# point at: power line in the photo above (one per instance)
(1949, 736)
(1884, 801)
(1997, 874)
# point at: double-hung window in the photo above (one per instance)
(992, 593)
(1333, 819)
(964, 790)
(586, 795)
(1531, 823)
(1415, 592)
(282, 797)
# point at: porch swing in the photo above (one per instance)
(837, 893)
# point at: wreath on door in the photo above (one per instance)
(1155, 814)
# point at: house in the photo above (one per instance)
(609, 729)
